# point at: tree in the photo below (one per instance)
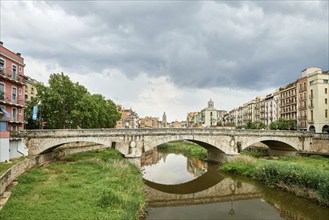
(66, 104)
(282, 124)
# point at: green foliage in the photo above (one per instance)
(254, 125)
(254, 154)
(187, 148)
(282, 124)
(301, 178)
(89, 185)
(65, 104)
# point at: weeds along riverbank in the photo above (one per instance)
(306, 177)
(89, 185)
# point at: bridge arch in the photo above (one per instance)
(51, 144)
(216, 150)
(274, 143)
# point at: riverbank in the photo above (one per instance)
(185, 147)
(89, 185)
(307, 177)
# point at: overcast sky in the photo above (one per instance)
(170, 56)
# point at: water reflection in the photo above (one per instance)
(228, 197)
(171, 168)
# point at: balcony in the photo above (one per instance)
(8, 101)
(6, 73)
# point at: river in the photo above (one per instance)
(179, 187)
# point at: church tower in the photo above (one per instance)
(211, 104)
(164, 120)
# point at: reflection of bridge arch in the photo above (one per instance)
(205, 181)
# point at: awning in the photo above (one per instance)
(3, 109)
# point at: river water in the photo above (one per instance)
(187, 188)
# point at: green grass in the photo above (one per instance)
(4, 166)
(187, 148)
(89, 185)
(254, 154)
(303, 176)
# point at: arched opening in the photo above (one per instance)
(78, 146)
(325, 129)
(312, 129)
(276, 147)
(258, 149)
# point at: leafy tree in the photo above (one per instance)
(65, 104)
(282, 124)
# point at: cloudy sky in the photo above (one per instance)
(169, 56)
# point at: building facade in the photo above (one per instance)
(30, 90)
(317, 81)
(12, 88)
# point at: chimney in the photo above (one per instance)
(18, 54)
(1, 43)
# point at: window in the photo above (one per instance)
(2, 64)
(326, 113)
(325, 91)
(20, 69)
(325, 81)
(20, 91)
(14, 72)
(312, 82)
(325, 101)
(14, 95)
(311, 115)
(20, 111)
(14, 114)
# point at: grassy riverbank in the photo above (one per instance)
(307, 177)
(187, 148)
(89, 185)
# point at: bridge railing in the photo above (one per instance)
(159, 131)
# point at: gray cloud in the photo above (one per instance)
(247, 45)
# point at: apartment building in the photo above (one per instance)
(30, 90)
(288, 102)
(11, 88)
(302, 106)
(318, 86)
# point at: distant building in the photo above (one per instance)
(129, 119)
(30, 90)
(149, 122)
(192, 119)
(210, 116)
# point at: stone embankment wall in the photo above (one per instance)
(320, 143)
(8, 177)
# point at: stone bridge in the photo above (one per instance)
(133, 142)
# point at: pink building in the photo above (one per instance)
(12, 88)
(11, 103)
